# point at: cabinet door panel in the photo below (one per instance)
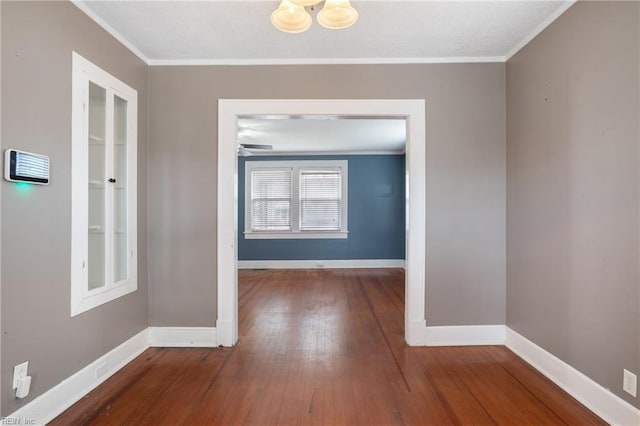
(120, 208)
(97, 193)
(104, 202)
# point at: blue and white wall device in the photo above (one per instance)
(27, 167)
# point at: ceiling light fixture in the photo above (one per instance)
(292, 17)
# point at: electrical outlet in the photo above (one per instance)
(19, 373)
(629, 382)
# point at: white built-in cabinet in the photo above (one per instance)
(104, 151)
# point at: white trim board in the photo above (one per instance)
(109, 29)
(321, 61)
(298, 235)
(180, 337)
(413, 110)
(320, 264)
(295, 170)
(465, 335)
(601, 401)
(594, 396)
(543, 25)
(328, 153)
(328, 61)
(53, 402)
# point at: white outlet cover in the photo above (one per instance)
(629, 383)
(19, 372)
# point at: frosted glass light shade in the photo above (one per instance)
(305, 2)
(291, 18)
(337, 14)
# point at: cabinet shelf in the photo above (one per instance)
(100, 185)
(97, 230)
(102, 233)
(96, 140)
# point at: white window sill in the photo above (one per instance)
(329, 235)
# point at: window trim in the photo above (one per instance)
(296, 166)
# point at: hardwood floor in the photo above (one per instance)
(325, 347)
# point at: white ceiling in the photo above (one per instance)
(321, 135)
(168, 32)
(240, 32)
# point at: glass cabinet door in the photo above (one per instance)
(97, 107)
(120, 228)
(104, 187)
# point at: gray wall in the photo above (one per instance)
(1, 149)
(37, 40)
(465, 177)
(572, 191)
(572, 196)
(376, 214)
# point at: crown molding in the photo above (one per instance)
(543, 25)
(326, 61)
(109, 29)
(81, 4)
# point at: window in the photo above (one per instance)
(104, 150)
(320, 200)
(271, 199)
(296, 199)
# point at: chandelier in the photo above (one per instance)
(292, 17)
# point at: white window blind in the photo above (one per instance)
(271, 199)
(296, 199)
(320, 200)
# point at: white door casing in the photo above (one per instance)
(413, 110)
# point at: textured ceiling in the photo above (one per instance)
(165, 32)
(324, 135)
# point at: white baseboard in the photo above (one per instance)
(613, 409)
(319, 264)
(178, 337)
(53, 402)
(224, 331)
(601, 401)
(416, 332)
(466, 335)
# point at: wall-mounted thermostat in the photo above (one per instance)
(22, 166)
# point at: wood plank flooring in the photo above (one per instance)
(326, 347)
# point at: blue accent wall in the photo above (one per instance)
(376, 221)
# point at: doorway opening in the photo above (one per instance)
(413, 114)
